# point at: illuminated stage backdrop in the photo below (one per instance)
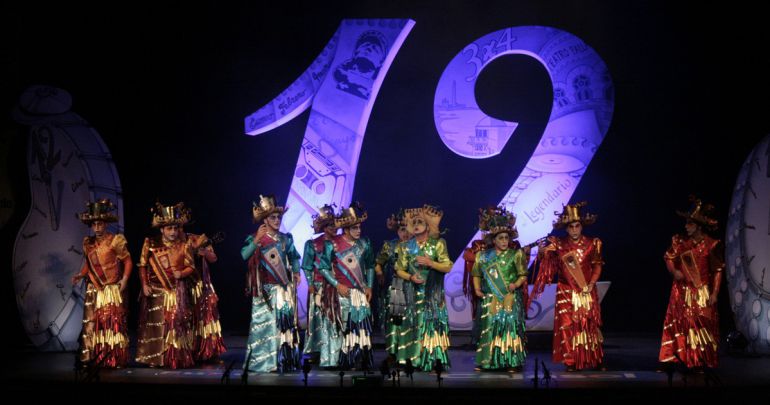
(748, 249)
(582, 110)
(68, 164)
(340, 87)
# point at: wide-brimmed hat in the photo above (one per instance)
(323, 218)
(495, 220)
(350, 216)
(164, 215)
(100, 210)
(266, 207)
(700, 213)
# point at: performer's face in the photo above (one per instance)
(403, 234)
(354, 232)
(273, 222)
(170, 232)
(330, 230)
(574, 230)
(419, 226)
(692, 228)
(98, 227)
(502, 241)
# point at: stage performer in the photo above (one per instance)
(576, 261)
(391, 306)
(165, 266)
(273, 277)
(423, 261)
(322, 339)
(208, 343)
(696, 262)
(499, 275)
(106, 268)
(347, 265)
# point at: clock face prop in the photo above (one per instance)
(748, 248)
(68, 165)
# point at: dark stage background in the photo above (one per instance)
(167, 87)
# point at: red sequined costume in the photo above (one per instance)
(106, 268)
(691, 327)
(577, 264)
(208, 343)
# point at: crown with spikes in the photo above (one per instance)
(100, 210)
(430, 214)
(571, 213)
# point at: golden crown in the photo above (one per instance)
(571, 213)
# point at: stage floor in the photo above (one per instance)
(631, 363)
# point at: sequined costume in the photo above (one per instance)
(350, 263)
(577, 265)
(208, 343)
(426, 340)
(107, 265)
(691, 326)
(273, 342)
(165, 337)
(500, 276)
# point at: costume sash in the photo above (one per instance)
(494, 280)
(350, 267)
(690, 268)
(274, 264)
(95, 270)
(160, 262)
(572, 264)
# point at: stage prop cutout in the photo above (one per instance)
(68, 165)
(583, 102)
(340, 88)
(748, 249)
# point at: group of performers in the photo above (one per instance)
(400, 291)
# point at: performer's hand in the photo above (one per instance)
(678, 275)
(512, 287)
(415, 278)
(122, 284)
(380, 279)
(424, 261)
(368, 293)
(177, 274)
(479, 293)
(147, 290)
(261, 232)
(589, 288)
(712, 300)
(310, 289)
(343, 290)
(296, 278)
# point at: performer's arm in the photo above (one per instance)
(308, 262)
(442, 263)
(402, 263)
(325, 263)
(596, 264)
(521, 269)
(249, 248)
